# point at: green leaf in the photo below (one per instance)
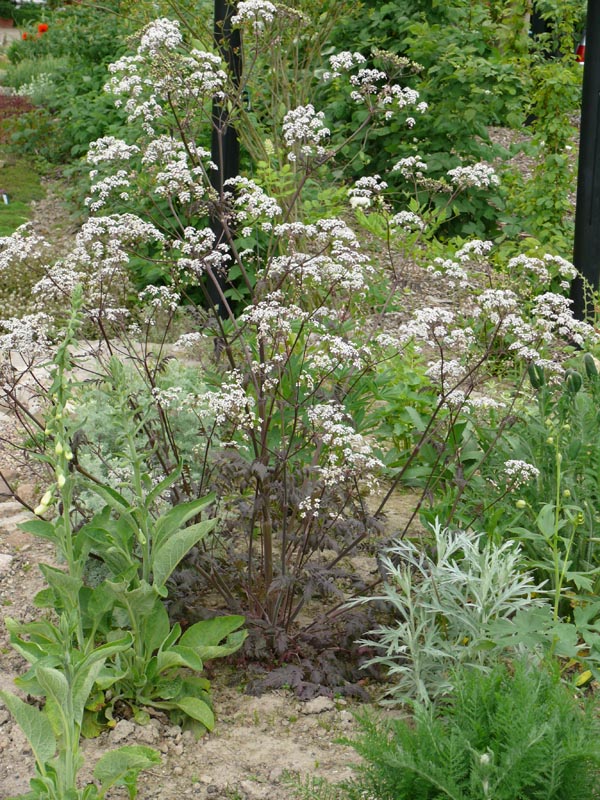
(179, 657)
(176, 517)
(119, 767)
(64, 585)
(39, 527)
(156, 628)
(546, 521)
(35, 726)
(167, 556)
(210, 632)
(54, 684)
(198, 710)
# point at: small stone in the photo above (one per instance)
(147, 734)
(173, 731)
(177, 749)
(345, 718)
(122, 730)
(212, 789)
(318, 705)
(275, 774)
(5, 562)
(177, 770)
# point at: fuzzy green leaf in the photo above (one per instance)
(198, 710)
(119, 767)
(35, 725)
(173, 520)
(205, 637)
(170, 553)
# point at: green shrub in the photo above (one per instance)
(514, 734)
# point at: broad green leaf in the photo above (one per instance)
(197, 709)
(231, 645)
(115, 500)
(55, 684)
(39, 527)
(173, 636)
(179, 657)
(156, 627)
(89, 669)
(546, 521)
(115, 767)
(34, 725)
(211, 631)
(170, 553)
(176, 517)
(66, 586)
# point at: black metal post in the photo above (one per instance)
(225, 147)
(586, 255)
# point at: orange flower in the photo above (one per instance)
(42, 27)
(23, 35)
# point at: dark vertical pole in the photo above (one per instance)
(586, 256)
(225, 147)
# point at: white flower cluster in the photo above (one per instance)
(497, 304)
(98, 259)
(455, 274)
(534, 266)
(168, 161)
(545, 268)
(168, 398)
(160, 35)
(331, 255)
(411, 167)
(519, 473)
(365, 189)
(22, 246)
(304, 132)
(333, 352)
(110, 149)
(446, 371)
(343, 62)
(255, 13)
(27, 336)
(372, 87)
(159, 297)
(428, 325)
(408, 221)
(479, 176)
(273, 317)
(231, 404)
(553, 316)
(100, 192)
(158, 77)
(348, 454)
(200, 252)
(475, 248)
(253, 203)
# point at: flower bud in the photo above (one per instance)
(567, 493)
(58, 448)
(521, 504)
(46, 499)
(60, 480)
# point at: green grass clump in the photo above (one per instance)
(22, 184)
(510, 734)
